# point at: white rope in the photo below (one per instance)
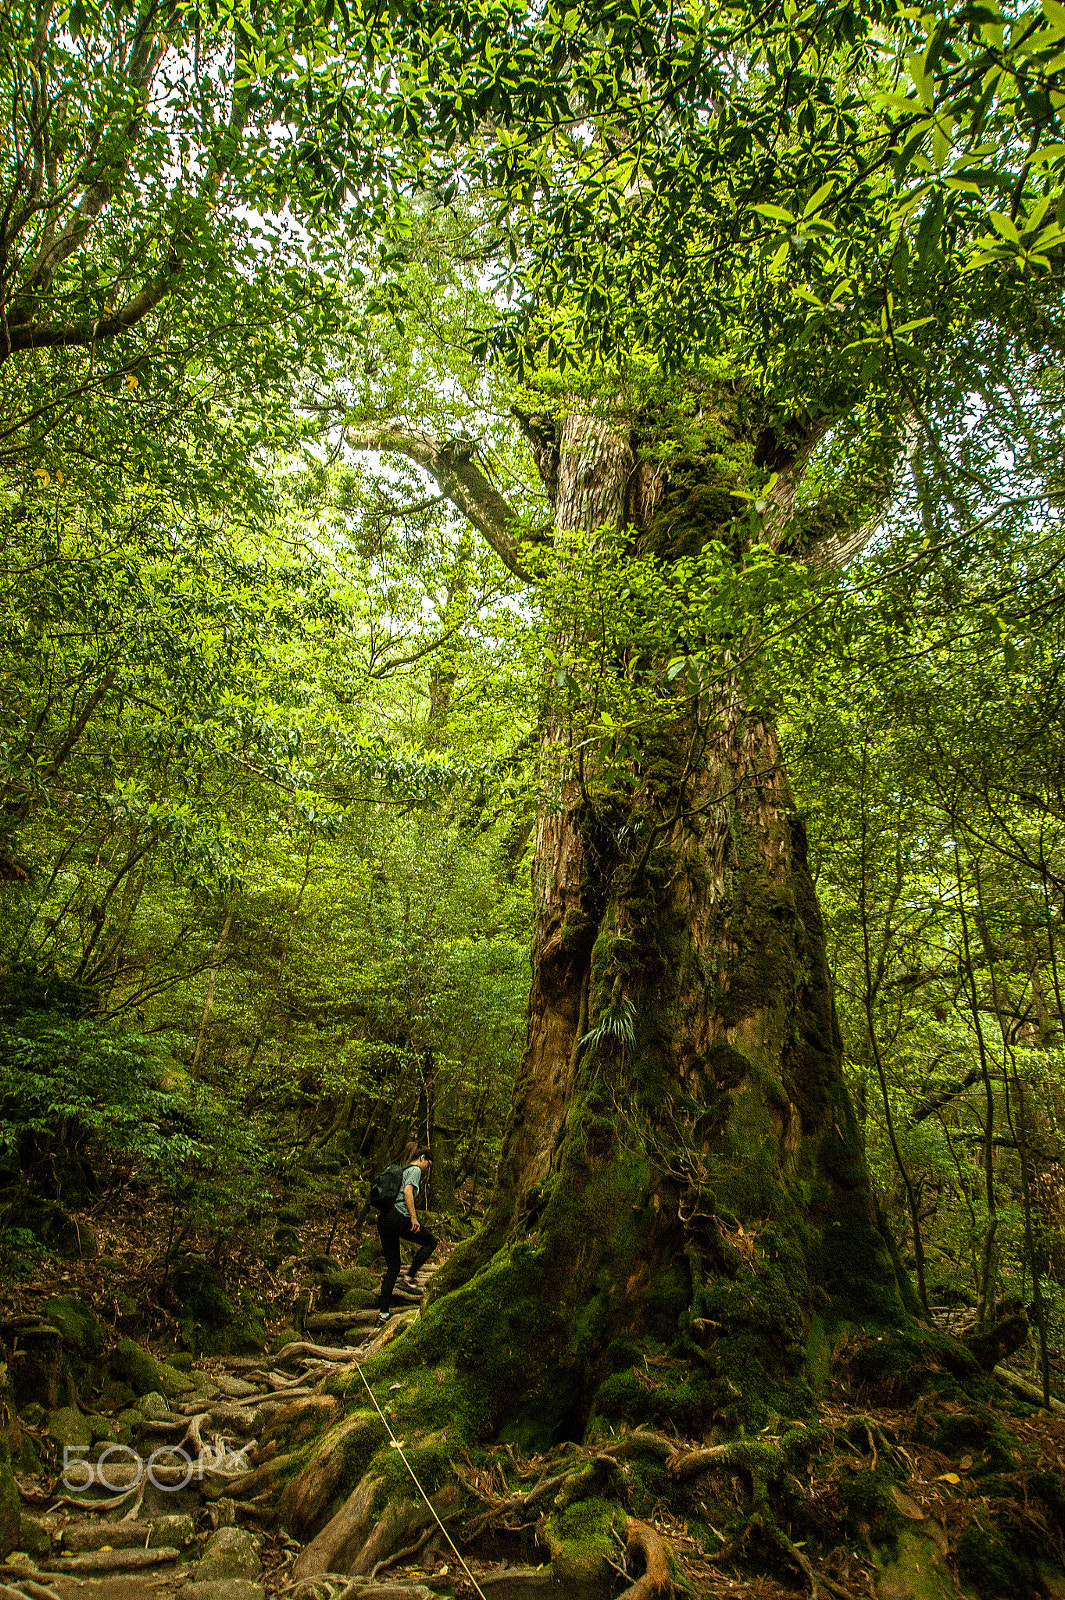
(418, 1486)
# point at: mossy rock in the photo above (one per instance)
(34, 1536)
(341, 1287)
(868, 1506)
(115, 1395)
(286, 1241)
(358, 1300)
(183, 1361)
(978, 1432)
(906, 1363)
(997, 1568)
(81, 1331)
(286, 1336)
(913, 1568)
(103, 1429)
(211, 1320)
(581, 1542)
(151, 1407)
(230, 1553)
(10, 1507)
(144, 1373)
(56, 1229)
(67, 1427)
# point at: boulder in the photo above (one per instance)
(35, 1365)
(145, 1373)
(211, 1318)
(78, 1325)
(34, 1536)
(230, 1553)
(151, 1407)
(359, 1300)
(55, 1228)
(68, 1427)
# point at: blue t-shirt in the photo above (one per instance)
(413, 1176)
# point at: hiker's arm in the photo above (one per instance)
(408, 1195)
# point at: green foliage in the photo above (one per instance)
(80, 1082)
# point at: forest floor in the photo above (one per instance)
(939, 1489)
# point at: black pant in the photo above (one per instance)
(392, 1227)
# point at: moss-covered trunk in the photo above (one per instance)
(682, 1220)
(683, 1213)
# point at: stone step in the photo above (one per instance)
(234, 1388)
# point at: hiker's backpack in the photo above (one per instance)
(385, 1189)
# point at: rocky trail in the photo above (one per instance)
(163, 1497)
(185, 1480)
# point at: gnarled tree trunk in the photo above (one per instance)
(682, 1219)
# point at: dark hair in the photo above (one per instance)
(422, 1150)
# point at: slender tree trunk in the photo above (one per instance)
(871, 988)
(985, 1279)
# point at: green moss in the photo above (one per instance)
(977, 1432)
(144, 1373)
(680, 1399)
(912, 1566)
(995, 1568)
(10, 1507)
(1049, 1488)
(81, 1331)
(868, 1506)
(211, 1320)
(580, 1541)
(904, 1363)
(649, 1484)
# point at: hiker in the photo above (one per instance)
(400, 1221)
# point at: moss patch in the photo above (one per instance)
(580, 1541)
(144, 1373)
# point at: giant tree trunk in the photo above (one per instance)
(683, 1214)
(682, 1223)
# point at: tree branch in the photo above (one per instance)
(49, 335)
(451, 464)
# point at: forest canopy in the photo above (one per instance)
(485, 479)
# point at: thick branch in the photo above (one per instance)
(100, 183)
(836, 533)
(451, 464)
(49, 335)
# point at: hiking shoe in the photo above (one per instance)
(410, 1286)
(383, 1317)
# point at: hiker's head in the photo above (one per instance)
(422, 1157)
